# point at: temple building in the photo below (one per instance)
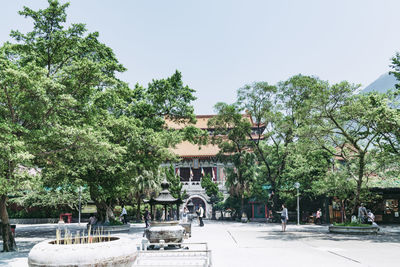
(198, 161)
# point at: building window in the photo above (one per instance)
(196, 174)
(184, 174)
(208, 171)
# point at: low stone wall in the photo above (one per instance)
(111, 228)
(34, 221)
(357, 230)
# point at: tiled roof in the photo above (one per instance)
(201, 122)
(188, 150)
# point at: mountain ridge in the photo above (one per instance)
(384, 83)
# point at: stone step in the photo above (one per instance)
(173, 264)
(176, 254)
(169, 264)
(176, 260)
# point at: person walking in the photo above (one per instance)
(284, 217)
(146, 217)
(318, 217)
(123, 215)
(201, 214)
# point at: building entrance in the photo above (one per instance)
(197, 202)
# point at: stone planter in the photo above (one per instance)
(187, 227)
(169, 231)
(358, 230)
(117, 252)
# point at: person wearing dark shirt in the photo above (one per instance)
(146, 217)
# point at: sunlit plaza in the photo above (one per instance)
(254, 244)
(199, 133)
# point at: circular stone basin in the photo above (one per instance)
(116, 252)
(169, 231)
(358, 230)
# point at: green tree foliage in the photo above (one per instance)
(343, 123)
(49, 80)
(63, 110)
(278, 115)
(396, 68)
(175, 184)
(34, 194)
(301, 127)
(212, 192)
(230, 133)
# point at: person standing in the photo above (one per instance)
(146, 217)
(318, 217)
(185, 215)
(201, 214)
(362, 213)
(123, 215)
(284, 217)
(92, 219)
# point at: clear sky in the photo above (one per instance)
(220, 45)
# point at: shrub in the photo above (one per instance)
(115, 222)
(352, 224)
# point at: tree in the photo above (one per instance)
(212, 192)
(230, 133)
(277, 113)
(63, 110)
(175, 184)
(50, 80)
(33, 194)
(343, 123)
(396, 68)
(143, 185)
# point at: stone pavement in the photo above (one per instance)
(254, 244)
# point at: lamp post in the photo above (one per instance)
(297, 186)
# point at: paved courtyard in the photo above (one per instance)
(235, 244)
(254, 244)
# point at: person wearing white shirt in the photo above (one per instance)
(201, 214)
(284, 217)
(124, 215)
(371, 217)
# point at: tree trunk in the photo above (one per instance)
(138, 200)
(361, 166)
(213, 212)
(104, 212)
(8, 238)
(109, 213)
(241, 206)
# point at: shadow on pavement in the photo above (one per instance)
(320, 236)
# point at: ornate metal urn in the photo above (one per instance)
(168, 230)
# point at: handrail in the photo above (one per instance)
(206, 250)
